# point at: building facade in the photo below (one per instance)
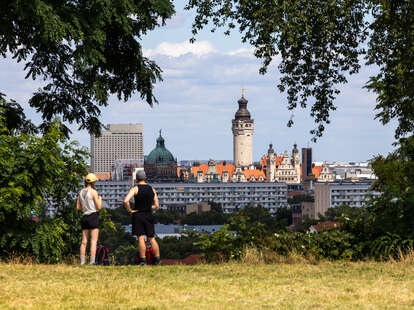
(219, 172)
(120, 141)
(281, 168)
(242, 128)
(230, 196)
(354, 194)
(160, 165)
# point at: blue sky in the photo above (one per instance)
(198, 99)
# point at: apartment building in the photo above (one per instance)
(354, 194)
(231, 196)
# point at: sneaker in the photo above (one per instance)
(142, 261)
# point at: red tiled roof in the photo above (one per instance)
(221, 167)
(203, 168)
(255, 173)
(263, 160)
(316, 171)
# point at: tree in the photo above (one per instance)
(334, 213)
(166, 217)
(32, 169)
(250, 216)
(320, 42)
(393, 211)
(85, 50)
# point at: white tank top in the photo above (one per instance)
(86, 202)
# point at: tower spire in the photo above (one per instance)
(243, 128)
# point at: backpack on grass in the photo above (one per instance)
(102, 255)
(149, 254)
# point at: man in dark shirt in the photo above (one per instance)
(146, 200)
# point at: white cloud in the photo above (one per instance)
(198, 48)
(243, 52)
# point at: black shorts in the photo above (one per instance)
(90, 221)
(143, 224)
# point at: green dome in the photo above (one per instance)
(160, 155)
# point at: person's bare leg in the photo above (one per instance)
(94, 241)
(85, 235)
(141, 246)
(155, 246)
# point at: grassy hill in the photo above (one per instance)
(227, 286)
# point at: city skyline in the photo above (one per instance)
(198, 99)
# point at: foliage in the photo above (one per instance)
(393, 211)
(219, 245)
(248, 227)
(120, 215)
(250, 216)
(206, 218)
(116, 237)
(179, 248)
(125, 255)
(306, 223)
(320, 42)
(343, 210)
(166, 217)
(332, 245)
(391, 48)
(32, 169)
(283, 216)
(85, 50)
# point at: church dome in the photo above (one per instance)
(242, 113)
(160, 155)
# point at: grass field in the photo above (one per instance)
(226, 286)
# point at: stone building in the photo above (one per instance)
(219, 172)
(282, 168)
(242, 127)
(160, 165)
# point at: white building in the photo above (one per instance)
(243, 128)
(119, 142)
(355, 171)
(231, 196)
(354, 194)
(282, 168)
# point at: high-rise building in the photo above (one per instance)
(242, 127)
(307, 164)
(120, 141)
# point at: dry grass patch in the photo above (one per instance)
(226, 286)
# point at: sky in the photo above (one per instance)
(202, 83)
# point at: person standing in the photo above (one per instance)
(146, 200)
(89, 202)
